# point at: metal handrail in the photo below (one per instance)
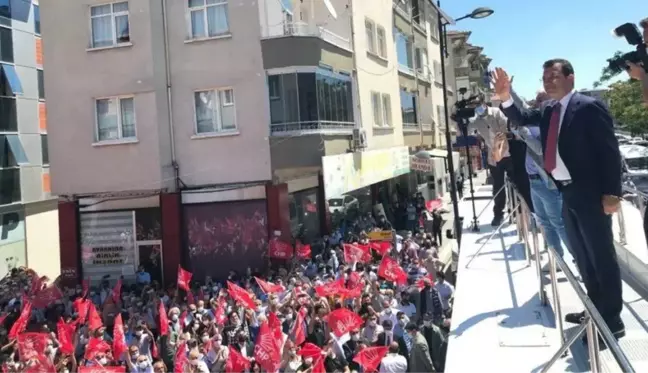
(593, 323)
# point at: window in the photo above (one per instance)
(434, 27)
(437, 71)
(12, 151)
(115, 118)
(5, 8)
(41, 84)
(408, 107)
(37, 26)
(274, 87)
(403, 49)
(109, 24)
(381, 41)
(440, 116)
(6, 45)
(8, 115)
(9, 186)
(386, 110)
(371, 42)
(377, 108)
(44, 150)
(209, 18)
(10, 81)
(215, 111)
(417, 12)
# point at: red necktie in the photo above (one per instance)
(552, 139)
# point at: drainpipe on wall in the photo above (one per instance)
(167, 68)
(356, 85)
(417, 106)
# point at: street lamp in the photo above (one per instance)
(475, 14)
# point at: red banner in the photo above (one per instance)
(370, 357)
(269, 287)
(342, 321)
(381, 247)
(279, 249)
(236, 362)
(47, 297)
(119, 340)
(266, 353)
(240, 295)
(31, 345)
(164, 321)
(20, 324)
(356, 253)
(303, 251)
(98, 369)
(65, 336)
(184, 278)
(390, 270)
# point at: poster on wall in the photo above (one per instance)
(108, 244)
(225, 236)
(12, 242)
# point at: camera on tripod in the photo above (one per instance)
(631, 33)
(465, 108)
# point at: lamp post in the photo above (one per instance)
(475, 14)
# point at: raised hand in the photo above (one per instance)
(502, 84)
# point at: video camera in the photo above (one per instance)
(465, 108)
(631, 33)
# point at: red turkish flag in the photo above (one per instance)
(31, 345)
(298, 331)
(180, 358)
(370, 357)
(21, 324)
(279, 249)
(47, 297)
(119, 340)
(355, 253)
(390, 270)
(266, 352)
(303, 251)
(381, 247)
(343, 320)
(164, 321)
(184, 278)
(236, 362)
(65, 336)
(240, 295)
(116, 293)
(94, 320)
(98, 369)
(269, 287)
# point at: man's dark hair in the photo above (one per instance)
(565, 66)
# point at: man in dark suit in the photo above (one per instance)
(581, 153)
(387, 337)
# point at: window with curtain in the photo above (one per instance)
(386, 110)
(215, 111)
(371, 40)
(115, 118)
(381, 41)
(377, 109)
(403, 49)
(209, 18)
(408, 107)
(109, 24)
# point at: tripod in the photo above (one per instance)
(463, 124)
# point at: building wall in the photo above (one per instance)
(42, 233)
(377, 74)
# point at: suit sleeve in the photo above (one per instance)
(605, 147)
(522, 116)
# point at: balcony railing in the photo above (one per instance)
(410, 127)
(313, 127)
(405, 69)
(306, 29)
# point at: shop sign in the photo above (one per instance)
(421, 164)
(381, 236)
(347, 172)
(108, 243)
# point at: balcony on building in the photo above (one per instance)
(310, 102)
(408, 11)
(297, 33)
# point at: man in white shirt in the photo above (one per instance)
(582, 155)
(446, 291)
(393, 362)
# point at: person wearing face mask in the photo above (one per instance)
(371, 330)
(244, 346)
(196, 363)
(143, 339)
(67, 364)
(217, 355)
(234, 325)
(387, 314)
(139, 364)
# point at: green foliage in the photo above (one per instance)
(606, 73)
(626, 106)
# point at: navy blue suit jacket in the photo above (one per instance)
(586, 142)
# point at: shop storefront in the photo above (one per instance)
(225, 236)
(12, 241)
(116, 243)
(348, 180)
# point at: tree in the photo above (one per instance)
(626, 106)
(606, 73)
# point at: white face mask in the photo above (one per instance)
(289, 317)
(174, 317)
(103, 361)
(372, 324)
(205, 338)
(200, 309)
(388, 311)
(138, 333)
(480, 110)
(193, 362)
(401, 322)
(355, 337)
(143, 364)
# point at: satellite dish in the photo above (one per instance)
(330, 8)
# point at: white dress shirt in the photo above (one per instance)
(561, 172)
(393, 363)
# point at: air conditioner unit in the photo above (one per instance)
(359, 138)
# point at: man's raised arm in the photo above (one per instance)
(515, 112)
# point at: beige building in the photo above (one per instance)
(470, 63)
(177, 123)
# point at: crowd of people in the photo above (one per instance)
(350, 305)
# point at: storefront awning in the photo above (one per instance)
(437, 153)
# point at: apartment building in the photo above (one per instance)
(470, 64)
(27, 209)
(189, 132)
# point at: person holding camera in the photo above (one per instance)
(637, 71)
(505, 157)
(582, 155)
